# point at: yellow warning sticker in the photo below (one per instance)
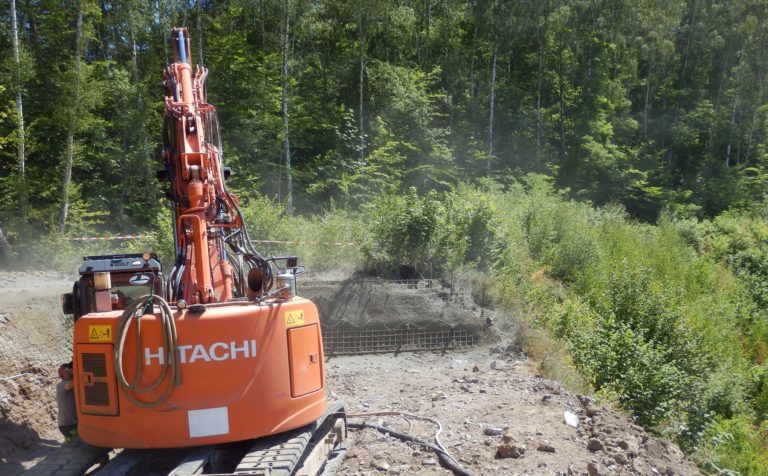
(100, 333)
(294, 318)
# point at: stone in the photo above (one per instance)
(380, 465)
(571, 419)
(621, 458)
(595, 445)
(593, 469)
(545, 446)
(493, 431)
(510, 448)
(630, 445)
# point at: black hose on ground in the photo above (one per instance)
(444, 457)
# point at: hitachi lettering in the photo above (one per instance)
(216, 352)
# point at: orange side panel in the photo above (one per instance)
(96, 389)
(306, 365)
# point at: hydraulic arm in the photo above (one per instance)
(207, 218)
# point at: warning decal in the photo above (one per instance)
(100, 333)
(294, 318)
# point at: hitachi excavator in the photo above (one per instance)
(220, 355)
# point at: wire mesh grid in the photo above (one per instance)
(364, 341)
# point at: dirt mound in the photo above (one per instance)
(380, 304)
(34, 340)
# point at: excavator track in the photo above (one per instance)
(301, 452)
(314, 450)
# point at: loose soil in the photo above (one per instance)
(474, 393)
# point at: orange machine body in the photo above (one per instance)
(248, 358)
(246, 371)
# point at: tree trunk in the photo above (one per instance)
(732, 123)
(538, 90)
(472, 54)
(6, 255)
(20, 141)
(646, 101)
(146, 152)
(284, 85)
(361, 92)
(561, 87)
(428, 25)
(70, 143)
(713, 122)
(491, 109)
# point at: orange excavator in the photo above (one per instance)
(220, 354)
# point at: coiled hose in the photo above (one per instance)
(170, 364)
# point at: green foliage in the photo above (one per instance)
(663, 327)
(452, 138)
(403, 232)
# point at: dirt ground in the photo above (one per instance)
(481, 391)
(34, 341)
(485, 398)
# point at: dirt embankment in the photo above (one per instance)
(357, 303)
(34, 341)
(480, 396)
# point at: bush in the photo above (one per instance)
(403, 233)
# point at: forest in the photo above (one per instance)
(606, 162)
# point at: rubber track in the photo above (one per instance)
(334, 460)
(280, 455)
(276, 455)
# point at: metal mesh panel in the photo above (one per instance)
(362, 341)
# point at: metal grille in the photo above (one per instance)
(95, 364)
(97, 394)
(364, 341)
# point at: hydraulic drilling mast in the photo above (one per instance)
(206, 216)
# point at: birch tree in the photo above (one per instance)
(284, 103)
(69, 153)
(20, 139)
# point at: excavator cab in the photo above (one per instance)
(112, 282)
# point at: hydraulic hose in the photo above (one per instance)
(169, 365)
(444, 457)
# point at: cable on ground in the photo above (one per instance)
(445, 458)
